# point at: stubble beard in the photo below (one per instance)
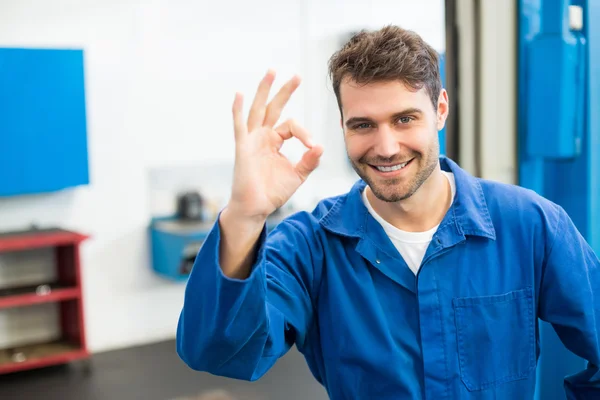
(393, 190)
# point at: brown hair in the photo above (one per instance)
(388, 54)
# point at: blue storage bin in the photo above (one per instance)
(176, 243)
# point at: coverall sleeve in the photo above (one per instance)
(570, 301)
(239, 328)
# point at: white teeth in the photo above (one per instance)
(393, 168)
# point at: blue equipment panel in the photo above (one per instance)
(43, 132)
(559, 137)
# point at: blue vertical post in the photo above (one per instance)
(593, 121)
(559, 137)
(442, 133)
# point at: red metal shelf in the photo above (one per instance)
(39, 355)
(38, 238)
(66, 292)
(27, 296)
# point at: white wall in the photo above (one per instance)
(160, 77)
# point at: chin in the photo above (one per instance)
(390, 196)
(393, 190)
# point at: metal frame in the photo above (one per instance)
(481, 48)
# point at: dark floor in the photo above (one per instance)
(155, 372)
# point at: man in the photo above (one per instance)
(421, 282)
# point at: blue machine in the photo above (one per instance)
(559, 135)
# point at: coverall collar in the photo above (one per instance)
(468, 214)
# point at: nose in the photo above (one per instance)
(387, 145)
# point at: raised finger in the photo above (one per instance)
(276, 105)
(257, 110)
(239, 128)
(291, 128)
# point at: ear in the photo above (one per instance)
(442, 109)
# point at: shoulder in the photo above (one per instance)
(308, 222)
(300, 242)
(514, 204)
(509, 197)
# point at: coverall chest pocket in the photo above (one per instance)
(496, 338)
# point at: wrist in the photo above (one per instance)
(233, 216)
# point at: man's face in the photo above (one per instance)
(391, 135)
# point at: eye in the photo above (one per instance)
(364, 125)
(405, 120)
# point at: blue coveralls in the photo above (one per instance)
(331, 282)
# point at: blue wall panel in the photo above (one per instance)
(43, 133)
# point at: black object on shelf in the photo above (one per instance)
(190, 206)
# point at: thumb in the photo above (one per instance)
(309, 162)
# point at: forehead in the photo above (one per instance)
(380, 98)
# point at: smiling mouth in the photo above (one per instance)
(391, 168)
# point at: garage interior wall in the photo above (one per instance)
(486, 49)
(160, 79)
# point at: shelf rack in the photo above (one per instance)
(66, 292)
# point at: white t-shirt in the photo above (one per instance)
(411, 245)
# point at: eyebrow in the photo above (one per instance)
(403, 113)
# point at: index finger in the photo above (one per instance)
(291, 128)
(258, 107)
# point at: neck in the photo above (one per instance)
(420, 212)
